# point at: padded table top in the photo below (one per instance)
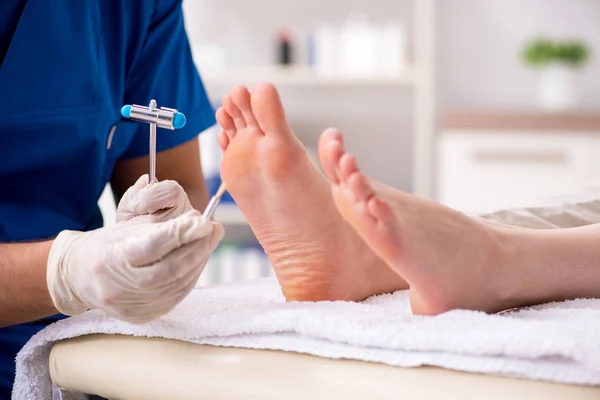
(133, 368)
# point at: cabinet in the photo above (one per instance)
(492, 161)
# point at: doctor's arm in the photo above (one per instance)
(24, 293)
(180, 164)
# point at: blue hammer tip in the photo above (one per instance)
(179, 121)
(126, 111)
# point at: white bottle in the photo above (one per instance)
(326, 50)
(228, 263)
(267, 267)
(393, 49)
(252, 264)
(360, 42)
(210, 152)
(207, 278)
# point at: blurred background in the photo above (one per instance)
(478, 104)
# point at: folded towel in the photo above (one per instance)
(558, 342)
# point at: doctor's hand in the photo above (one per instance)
(161, 201)
(136, 270)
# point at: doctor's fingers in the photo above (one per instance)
(160, 196)
(141, 183)
(151, 242)
(138, 311)
(215, 236)
(167, 276)
(124, 211)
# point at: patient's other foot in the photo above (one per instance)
(287, 201)
(449, 260)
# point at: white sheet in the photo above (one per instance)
(557, 342)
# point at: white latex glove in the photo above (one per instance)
(161, 200)
(136, 270)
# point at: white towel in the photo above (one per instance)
(558, 342)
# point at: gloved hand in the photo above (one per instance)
(135, 270)
(161, 201)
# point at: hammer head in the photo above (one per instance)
(167, 118)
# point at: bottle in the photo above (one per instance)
(210, 157)
(326, 50)
(252, 262)
(393, 49)
(228, 263)
(207, 278)
(310, 50)
(267, 268)
(360, 43)
(284, 48)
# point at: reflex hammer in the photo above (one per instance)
(167, 118)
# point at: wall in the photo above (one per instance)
(479, 41)
(478, 66)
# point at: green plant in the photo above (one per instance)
(542, 52)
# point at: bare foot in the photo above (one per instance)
(287, 201)
(449, 260)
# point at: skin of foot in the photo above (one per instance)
(450, 260)
(316, 254)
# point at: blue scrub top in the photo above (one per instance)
(67, 67)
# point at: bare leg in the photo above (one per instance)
(454, 261)
(287, 201)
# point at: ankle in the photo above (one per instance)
(522, 278)
(384, 279)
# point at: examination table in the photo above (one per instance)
(133, 368)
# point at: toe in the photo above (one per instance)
(241, 98)
(234, 112)
(331, 148)
(226, 122)
(223, 140)
(336, 152)
(359, 185)
(381, 210)
(268, 110)
(347, 166)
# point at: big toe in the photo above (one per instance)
(268, 110)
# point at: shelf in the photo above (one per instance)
(230, 214)
(300, 76)
(524, 120)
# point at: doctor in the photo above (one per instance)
(66, 68)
